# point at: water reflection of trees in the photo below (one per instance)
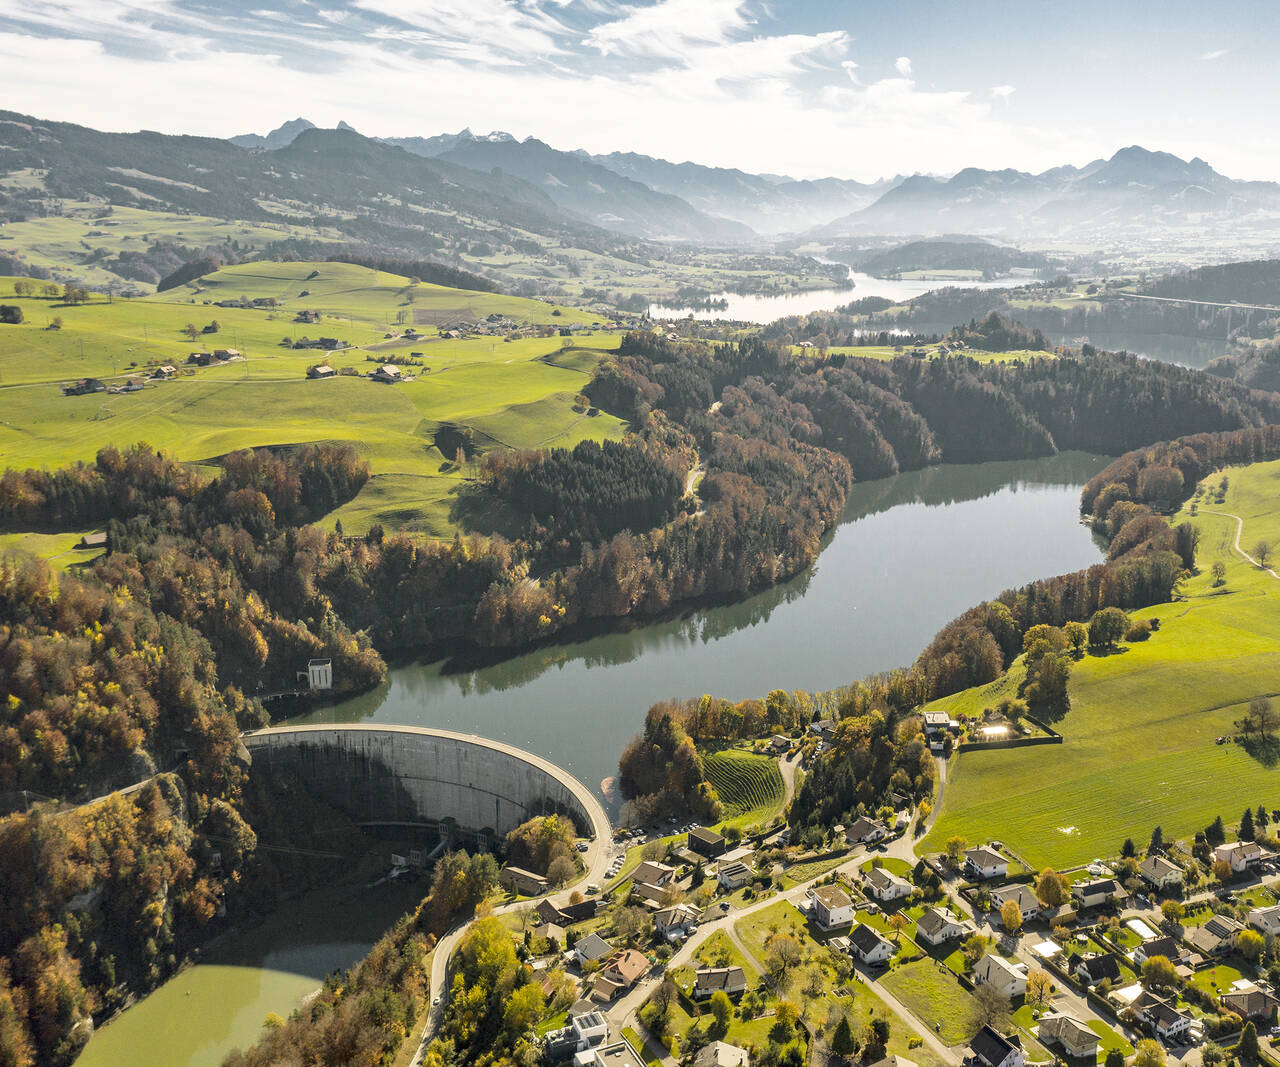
(473, 671)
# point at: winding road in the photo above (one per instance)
(1236, 546)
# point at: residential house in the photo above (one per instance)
(1241, 855)
(936, 723)
(995, 1050)
(321, 370)
(729, 980)
(618, 1054)
(985, 863)
(591, 949)
(734, 875)
(1165, 1020)
(526, 883)
(869, 946)
(721, 1054)
(203, 359)
(1168, 947)
(619, 974)
(167, 370)
(1160, 873)
(1098, 893)
(706, 842)
(1075, 1039)
(1250, 1002)
(589, 1029)
(388, 373)
(652, 873)
(1265, 920)
(549, 932)
(780, 743)
(567, 914)
(1009, 979)
(823, 728)
(1217, 937)
(226, 353)
(864, 831)
(1094, 969)
(832, 907)
(886, 886)
(895, 1061)
(1021, 895)
(937, 926)
(676, 921)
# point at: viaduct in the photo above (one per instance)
(415, 776)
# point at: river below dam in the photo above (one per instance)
(910, 553)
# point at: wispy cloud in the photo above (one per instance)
(1216, 54)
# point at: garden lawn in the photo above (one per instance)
(934, 996)
(1139, 748)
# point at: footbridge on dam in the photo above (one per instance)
(416, 776)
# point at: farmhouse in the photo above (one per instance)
(1241, 855)
(1217, 937)
(886, 886)
(708, 980)
(93, 540)
(1009, 979)
(526, 883)
(733, 875)
(321, 370)
(983, 862)
(1160, 873)
(1165, 1020)
(202, 359)
(84, 385)
(168, 370)
(996, 1050)
(864, 831)
(388, 373)
(1021, 895)
(619, 974)
(780, 743)
(1266, 920)
(706, 842)
(1098, 893)
(1093, 969)
(869, 946)
(652, 873)
(832, 907)
(937, 926)
(1075, 1039)
(1250, 1002)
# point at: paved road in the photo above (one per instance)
(1239, 531)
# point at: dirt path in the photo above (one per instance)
(1236, 546)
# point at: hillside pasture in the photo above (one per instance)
(750, 786)
(1140, 739)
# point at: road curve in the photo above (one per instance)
(1239, 531)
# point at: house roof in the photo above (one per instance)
(832, 897)
(676, 915)
(863, 825)
(1066, 1029)
(935, 919)
(882, 879)
(984, 857)
(895, 1061)
(627, 965)
(1165, 946)
(1099, 885)
(710, 837)
(1018, 893)
(865, 939)
(651, 872)
(991, 1047)
(592, 947)
(721, 1054)
(714, 978)
(1158, 867)
(1223, 926)
(1249, 1002)
(734, 868)
(1002, 965)
(1157, 1009)
(1100, 967)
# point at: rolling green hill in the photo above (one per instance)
(1140, 745)
(518, 393)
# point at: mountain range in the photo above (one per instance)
(1135, 189)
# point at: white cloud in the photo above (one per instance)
(669, 29)
(903, 66)
(1002, 92)
(1217, 54)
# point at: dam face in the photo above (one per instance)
(413, 775)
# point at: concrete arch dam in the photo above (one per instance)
(411, 775)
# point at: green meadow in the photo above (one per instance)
(512, 394)
(1140, 737)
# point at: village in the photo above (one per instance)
(719, 948)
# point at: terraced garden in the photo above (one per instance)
(750, 785)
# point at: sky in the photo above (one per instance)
(847, 88)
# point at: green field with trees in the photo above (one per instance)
(749, 785)
(1140, 737)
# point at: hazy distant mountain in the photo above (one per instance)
(768, 203)
(954, 253)
(596, 193)
(1134, 188)
(277, 138)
